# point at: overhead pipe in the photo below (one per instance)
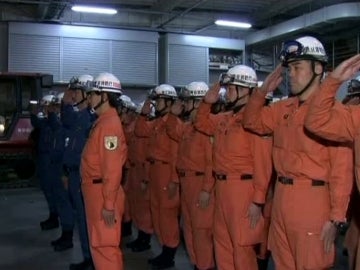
(323, 15)
(182, 13)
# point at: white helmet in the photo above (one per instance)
(81, 82)
(106, 82)
(59, 98)
(163, 91)
(354, 86)
(40, 115)
(222, 93)
(194, 90)
(126, 102)
(139, 107)
(239, 75)
(304, 48)
(47, 100)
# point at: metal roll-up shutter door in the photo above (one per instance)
(31, 53)
(85, 56)
(135, 62)
(187, 64)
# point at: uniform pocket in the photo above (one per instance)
(249, 236)
(104, 236)
(315, 256)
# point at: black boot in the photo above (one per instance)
(126, 229)
(86, 264)
(64, 242)
(166, 259)
(51, 223)
(135, 242)
(262, 263)
(142, 243)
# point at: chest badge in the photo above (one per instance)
(110, 142)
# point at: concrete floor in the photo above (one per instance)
(23, 246)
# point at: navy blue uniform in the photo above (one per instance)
(77, 125)
(62, 198)
(43, 160)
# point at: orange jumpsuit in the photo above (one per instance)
(194, 166)
(263, 251)
(128, 132)
(240, 180)
(313, 186)
(342, 124)
(101, 167)
(161, 154)
(140, 200)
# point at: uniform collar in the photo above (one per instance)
(110, 112)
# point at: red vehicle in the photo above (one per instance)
(17, 90)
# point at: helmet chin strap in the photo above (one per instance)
(84, 98)
(311, 80)
(186, 114)
(231, 106)
(162, 112)
(101, 102)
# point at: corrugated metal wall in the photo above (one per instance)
(71, 51)
(188, 64)
(34, 54)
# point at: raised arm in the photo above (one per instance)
(174, 127)
(203, 120)
(144, 127)
(257, 117)
(327, 118)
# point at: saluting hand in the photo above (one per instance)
(328, 235)
(346, 69)
(109, 217)
(254, 214)
(146, 109)
(177, 107)
(67, 99)
(212, 95)
(273, 80)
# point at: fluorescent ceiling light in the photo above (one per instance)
(233, 24)
(88, 9)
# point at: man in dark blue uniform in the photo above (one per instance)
(77, 120)
(39, 120)
(62, 198)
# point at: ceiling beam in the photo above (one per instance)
(278, 8)
(200, 2)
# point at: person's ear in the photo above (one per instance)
(319, 68)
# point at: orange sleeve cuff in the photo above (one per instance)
(259, 197)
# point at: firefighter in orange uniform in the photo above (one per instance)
(313, 175)
(163, 179)
(126, 110)
(241, 182)
(194, 167)
(352, 236)
(342, 124)
(102, 159)
(262, 251)
(140, 199)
